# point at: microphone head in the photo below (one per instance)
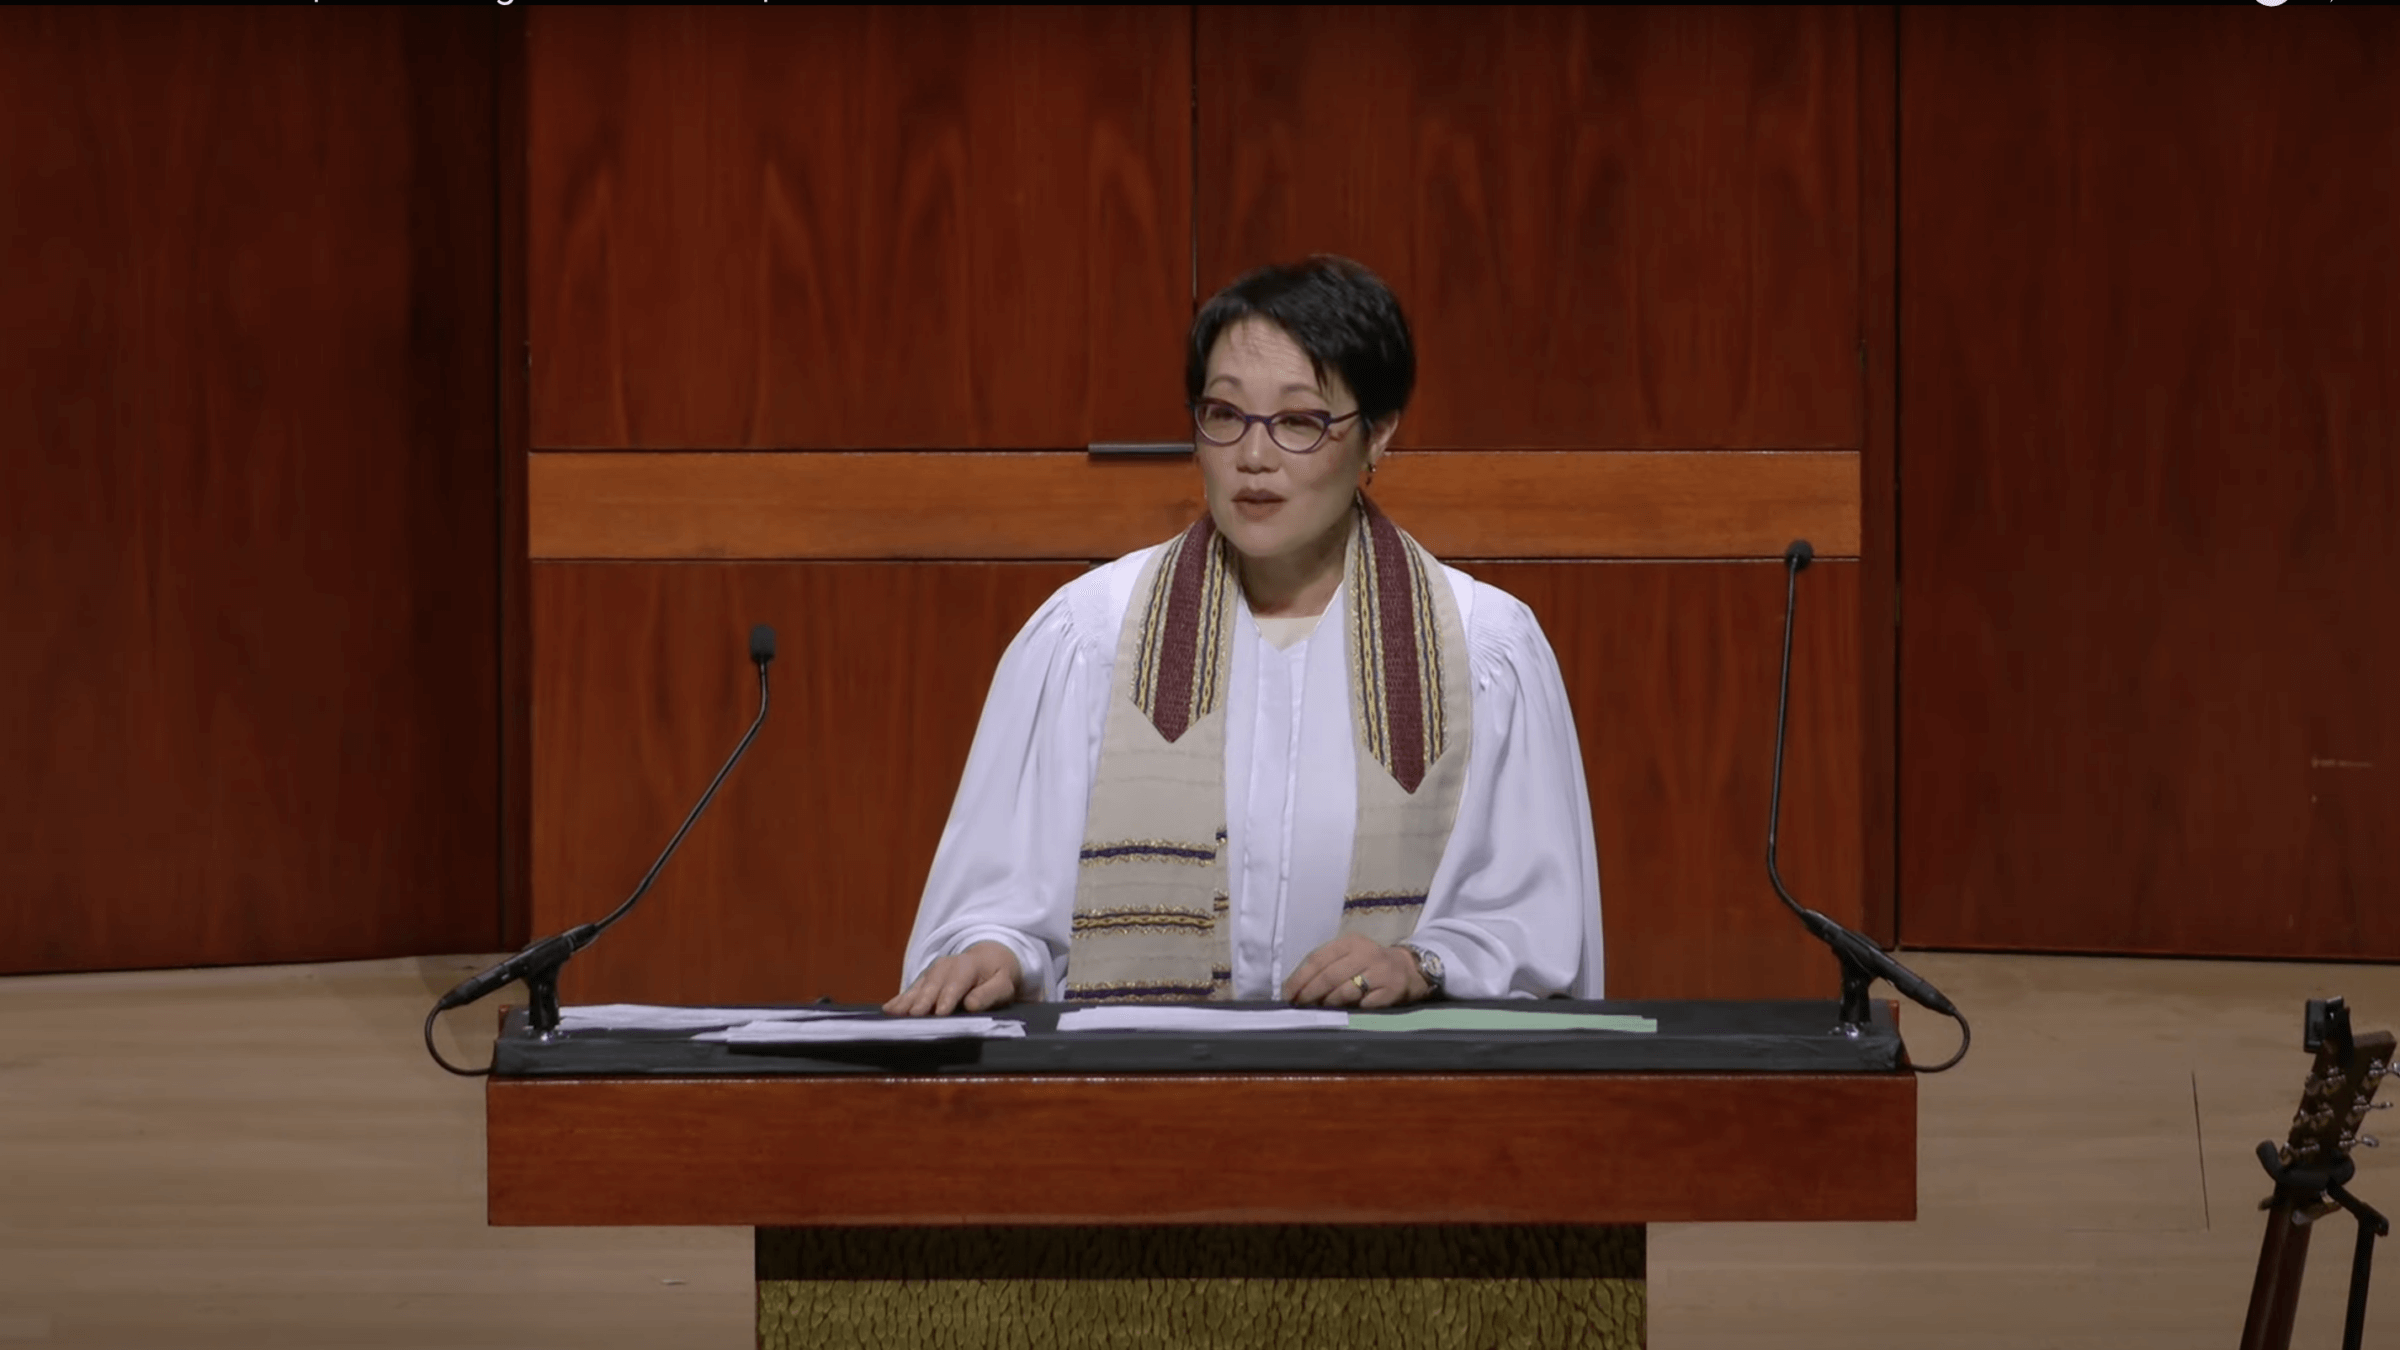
(762, 644)
(1799, 555)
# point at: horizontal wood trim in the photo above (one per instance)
(1349, 1148)
(1050, 505)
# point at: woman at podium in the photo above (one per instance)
(1285, 755)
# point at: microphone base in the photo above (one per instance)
(1857, 1010)
(541, 1008)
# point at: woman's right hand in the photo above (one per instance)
(979, 979)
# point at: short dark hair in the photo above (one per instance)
(1340, 314)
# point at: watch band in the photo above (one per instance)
(1428, 965)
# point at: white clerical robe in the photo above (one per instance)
(1513, 910)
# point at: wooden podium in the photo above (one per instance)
(1221, 1208)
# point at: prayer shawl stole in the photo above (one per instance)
(1152, 921)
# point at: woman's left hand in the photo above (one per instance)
(1330, 977)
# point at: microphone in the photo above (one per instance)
(1862, 962)
(538, 964)
(550, 952)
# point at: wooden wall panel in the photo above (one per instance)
(803, 878)
(2149, 442)
(1878, 464)
(514, 437)
(1613, 228)
(1672, 672)
(859, 227)
(247, 518)
(931, 505)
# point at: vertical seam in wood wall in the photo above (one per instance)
(1191, 209)
(1877, 292)
(1892, 470)
(512, 353)
(502, 781)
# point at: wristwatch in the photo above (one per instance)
(1428, 964)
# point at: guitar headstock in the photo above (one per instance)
(2340, 1090)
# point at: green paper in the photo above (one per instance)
(1498, 1019)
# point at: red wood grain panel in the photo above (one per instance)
(1030, 505)
(248, 520)
(1878, 463)
(2148, 438)
(1513, 1148)
(858, 227)
(514, 436)
(1613, 227)
(1671, 669)
(803, 878)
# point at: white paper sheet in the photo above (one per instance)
(1140, 1017)
(651, 1017)
(869, 1029)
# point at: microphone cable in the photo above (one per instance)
(484, 1072)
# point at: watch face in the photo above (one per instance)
(1430, 964)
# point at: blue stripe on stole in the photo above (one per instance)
(1171, 852)
(1382, 902)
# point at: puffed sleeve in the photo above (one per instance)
(1514, 908)
(1006, 867)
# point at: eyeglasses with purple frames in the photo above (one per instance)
(1295, 432)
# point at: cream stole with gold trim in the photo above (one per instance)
(1152, 921)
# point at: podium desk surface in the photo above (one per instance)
(1728, 1112)
(1763, 1036)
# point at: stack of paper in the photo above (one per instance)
(840, 1029)
(651, 1017)
(1142, 1017)
(796, 1025)
(1499, 1019)
(1210, 1021)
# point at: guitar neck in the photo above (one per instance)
(2334, 1105)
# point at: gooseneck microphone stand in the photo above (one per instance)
(1861, 961)
(538, 965)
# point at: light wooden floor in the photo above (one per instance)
(266, 1158)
